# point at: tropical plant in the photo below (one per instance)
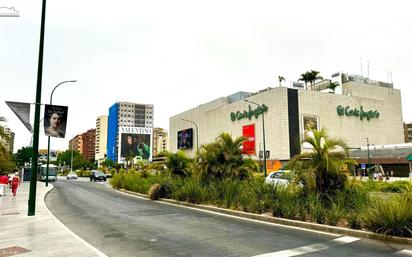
(310, 77)
(321, 168)
(224, 159)
(305, 77)
(280, 80)
(333, 86)
(177, 163)
(390, 215)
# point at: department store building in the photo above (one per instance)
(357, 109)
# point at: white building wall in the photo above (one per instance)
(213, 118)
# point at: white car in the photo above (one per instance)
(71, 175)
(281, 177)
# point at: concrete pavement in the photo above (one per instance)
(39, 235)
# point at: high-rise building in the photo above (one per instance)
(89, 140)
(85, 144)
(8, 140)
(101, 139)
(129, 118)
(160, 141)
(407, 127)
(76, 143)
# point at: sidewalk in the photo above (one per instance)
(39, 235)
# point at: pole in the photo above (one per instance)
(33, 172)
(264, 136)
(197, 133)
(71, 160)
(48, 138)
(264, 144)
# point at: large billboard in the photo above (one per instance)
(249, 143)
(55, 118)
(135, 142)
(185, 139)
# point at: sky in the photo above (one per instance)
(179, 54)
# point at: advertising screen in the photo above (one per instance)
(185, 139)
(135, 142)
(249, 143)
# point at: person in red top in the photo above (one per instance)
(15, 182)
(4, 180)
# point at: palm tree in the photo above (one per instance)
(305, 77)
(322, 168)
(313, 76)
(224, 159)
(177, 163)
(280, 80)
(333, 86)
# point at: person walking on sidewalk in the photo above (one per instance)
(4, 180)
(15, 182)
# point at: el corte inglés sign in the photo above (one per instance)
(347, 111)
(248, 114)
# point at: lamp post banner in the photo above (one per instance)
(22, 111)
(55, 120)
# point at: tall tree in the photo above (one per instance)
(333, 86)
(322, 168)
(280, 80)
(6, 162)
(305, 77)
(23, 155)
(313, 77)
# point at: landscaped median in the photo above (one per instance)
(282, 221)
(320, 195)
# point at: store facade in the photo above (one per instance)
(360, 110)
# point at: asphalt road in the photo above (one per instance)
(123, 225)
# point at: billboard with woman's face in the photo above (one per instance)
(135, 142)
(55, 118)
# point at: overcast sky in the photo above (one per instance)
(179, 54)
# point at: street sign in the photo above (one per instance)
(22, 111)
(409, 157)
(267, 154)
(363, 166)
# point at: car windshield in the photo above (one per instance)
(99, 173)
(72, 173)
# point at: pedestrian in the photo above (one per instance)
(15, 183)
(391, 173)
(4, 180)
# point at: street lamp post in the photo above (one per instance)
(71, 159)
(48, 138)
(369, 158)
(197, 133)
(264, 136)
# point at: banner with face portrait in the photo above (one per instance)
(135, 142)
(55, 120)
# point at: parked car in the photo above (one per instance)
(71, 175)
(281, 177)
(97, 175)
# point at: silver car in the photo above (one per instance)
(71, 175)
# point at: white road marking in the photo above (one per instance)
(405, 252)
(310, 248)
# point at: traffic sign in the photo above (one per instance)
(409, 157)
(363, 166)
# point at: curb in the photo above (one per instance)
(287, 222)
(89, 246)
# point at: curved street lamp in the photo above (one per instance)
(48, 138)
(264, 145)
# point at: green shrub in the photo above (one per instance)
(354, 220)
(113, 172)
(397, 187)
(316, 210)
(154, 191)
(390, 215)
(191, 191)
(336, 210)
(287, 203)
